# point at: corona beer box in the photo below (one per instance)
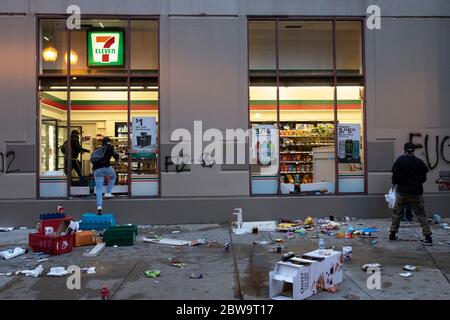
(85, 238)
(300, 278)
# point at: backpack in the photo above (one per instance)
(64, 147)
(98, 156)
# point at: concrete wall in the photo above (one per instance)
(407, 91)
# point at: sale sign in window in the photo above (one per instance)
(105, 48)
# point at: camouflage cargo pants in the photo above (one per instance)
(417, 204)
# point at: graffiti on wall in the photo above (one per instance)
(7, 161)
(434, 150)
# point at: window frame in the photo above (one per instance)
(334, 75)
(127, 76)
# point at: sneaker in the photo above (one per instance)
(99, 211)
(427, 241)
(108, 195)
(393, 237)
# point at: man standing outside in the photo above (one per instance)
(101, 162)
(409, 173)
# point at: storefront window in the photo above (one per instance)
(144, 137)
(52, 47)
(313, 99)
(144, 46)
(52, 135)
(305, 47)
(99, 99)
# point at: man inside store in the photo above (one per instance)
(409, 173)
(76, 149)
(102, 169)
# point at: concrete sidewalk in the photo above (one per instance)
(238, 273)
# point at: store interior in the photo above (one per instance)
(308, 105)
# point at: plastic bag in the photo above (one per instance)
(391, 197)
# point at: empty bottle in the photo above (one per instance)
(321, 245)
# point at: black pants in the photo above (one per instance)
(76, 165)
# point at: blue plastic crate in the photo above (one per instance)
(48, 216)
(91, 221)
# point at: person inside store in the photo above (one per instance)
(101, 163)
(409, 173)
(76, 149)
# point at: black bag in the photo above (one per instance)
(98, 156)
(64, 147)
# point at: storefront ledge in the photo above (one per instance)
(213, 209)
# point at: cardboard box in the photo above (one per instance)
(300, 278)
(85, 238)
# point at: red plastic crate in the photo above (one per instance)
(55, 223)
(53, 245)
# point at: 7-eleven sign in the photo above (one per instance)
(105, 48)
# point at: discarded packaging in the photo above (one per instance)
(371, 266)
(90, 270)
(436, 218)
(406, 274)
(96, 250)
(373, 242)
(445, 226)
(173, 242)
(12, 253)
(263, 242)
(33, 273)
(409, 267)
(198, 242)
(309, 221)
(347, 253)
(6, 229)
(178, 265)
(57, 272)
(152, 273)
(196, 276)
(301, 231)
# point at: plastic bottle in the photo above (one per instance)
(321, 246)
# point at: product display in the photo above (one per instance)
(297, 141)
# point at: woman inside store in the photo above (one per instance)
(101, 162)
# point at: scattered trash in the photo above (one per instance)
(7, 274)
(301, 231)
(6, 229)
(331, 289)
(173, 242)
(176, 231)
(104, 293)
(23, 228)
(90, 270)
(347, 253)
(42, 260)
(371, 266)
(373, 242)
(152, 273)
(309, 221)
(33, 273)
(287, 256)
(57, 272)
(226, 246)
(278, 240)
(406, 274)
(289, 235)
(96, 250)
(115, 246)
(12, 253)
(261, 242)
(198, 242)
(436, 218)
(445, 226)
(410, 268)
(196, 276)
(178, 265)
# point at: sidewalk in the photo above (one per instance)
(240, 272)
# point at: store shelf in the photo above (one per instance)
(296, 152)
(295, 162)
(296, 172)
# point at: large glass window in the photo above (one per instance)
(307, 80)
(97, 97)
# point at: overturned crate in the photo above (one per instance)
(120, 235)
(92, 221)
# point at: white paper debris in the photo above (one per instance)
(90, 270)
(57, 272)
(406, 274)
(6, 229)
(12, 253)
(409, 268)
(33, 273)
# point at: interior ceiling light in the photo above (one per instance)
(46, 38)
(49, 54)
(101, 24)
(73, 57)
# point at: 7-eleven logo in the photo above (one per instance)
(105, 47)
